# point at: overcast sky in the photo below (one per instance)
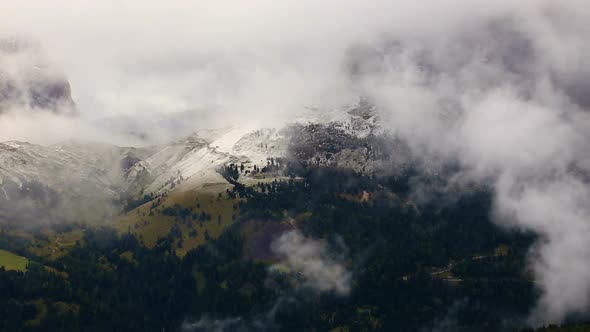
(165, 56)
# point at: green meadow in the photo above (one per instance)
(11, 261)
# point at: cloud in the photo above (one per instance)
(501, 97)
(557, 207)
(47, 128)
(311, 258)
(261, 60)
(206, 323)
(501, 87)
(264, 321)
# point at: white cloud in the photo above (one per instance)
(311, 258)
(502, 98)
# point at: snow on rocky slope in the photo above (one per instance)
(69, 181)
(192, 163)
(78, 170)
(24, 162)
(192, 158)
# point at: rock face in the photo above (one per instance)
(28, 81)
(355, 140)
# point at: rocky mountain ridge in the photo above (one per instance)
(79, 171)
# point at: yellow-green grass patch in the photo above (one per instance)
(12, 261)
(148, 222)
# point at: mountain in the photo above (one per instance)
(28, 80)
(65, 181)
(286, 228)
(347, 137)
(86, 178)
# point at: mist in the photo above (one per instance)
(501, 98)
(259, 62)
(500, 87)
(311, 259)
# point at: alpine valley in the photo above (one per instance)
(442, 195)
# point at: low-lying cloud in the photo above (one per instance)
(265, 321)
(208, 324)
(493, 96)
(309, 257)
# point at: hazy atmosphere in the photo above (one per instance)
(491, 96)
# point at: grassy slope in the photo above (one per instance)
(12, 261)
(151, 227)
(57, 244)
